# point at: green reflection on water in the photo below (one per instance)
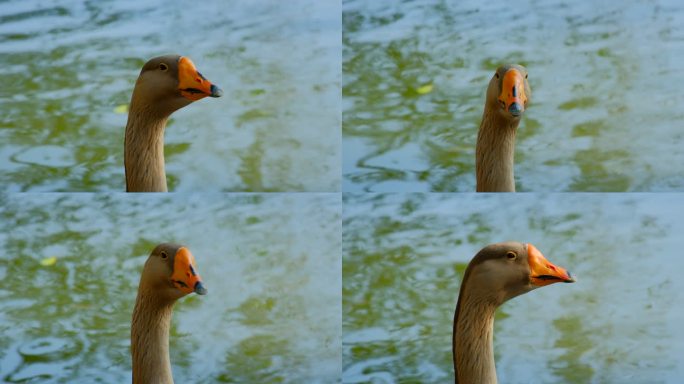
(251, 361)
(574, 343)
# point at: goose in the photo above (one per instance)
(507, 96)
(498, 273)
(166, 84)
(170, 273)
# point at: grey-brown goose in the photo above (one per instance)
(499, 272)
(507, 96)
(166, 84)
(170, 273)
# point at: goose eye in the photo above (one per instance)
(164, 255)
(163, 67)
(511, 255)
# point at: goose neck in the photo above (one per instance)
(495, 153)
(144, 150)
(473, 350)
(150, 339)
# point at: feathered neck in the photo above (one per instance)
(495, 152)
(144, 149)
(473, 337)
(150, 338)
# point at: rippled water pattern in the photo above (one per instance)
(404, 257)
(605, 109)
(66, 67)
(271, 265)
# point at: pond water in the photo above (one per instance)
(404, 257)
(605, 109)
(68, 66)
(271, 265)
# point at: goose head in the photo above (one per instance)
(502, 271)
(168, 83)
(171, 273)
(509, 92)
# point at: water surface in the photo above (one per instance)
(67, 66)
(404, 257)
(605, 112)
(271, 265)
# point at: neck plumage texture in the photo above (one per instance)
(144, 150)
(150, 338)
(473, 335)
(495, 153)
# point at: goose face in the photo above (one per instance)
(172, 271)
(506, 270)
(509, 91)
(168, 83)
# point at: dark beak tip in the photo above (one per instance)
(215, 91)
(199, 288)
(515, 109)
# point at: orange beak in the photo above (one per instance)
(513, 97)
(191, 84)
(542, 272)
(185, 276)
